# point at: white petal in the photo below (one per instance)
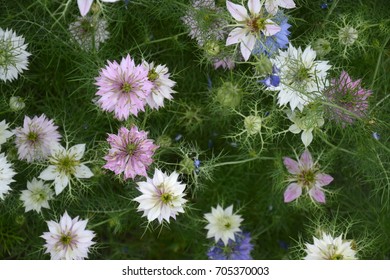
(60, 182)
(77, 151)
(235, 36)
(247, 45)
(271, 28)
(84, 6)
(238, 12)
(307, 137)
(254, 6)
(271, 6)
(82, 171)
(288, 4)
(49, 173)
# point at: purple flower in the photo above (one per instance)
(271, 44)
(131, 152)
(35, 139)
(349, 97)
(234, 250)
(305, 175)
(123, 88)
(273, 79)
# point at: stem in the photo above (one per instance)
(378, 62)
(240, 161)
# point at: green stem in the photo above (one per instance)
(240, 161)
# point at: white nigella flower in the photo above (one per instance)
(4, 132)
(223, 224)
(249, 27)
(162, 196)
(330, 248)
(65, 164)
(272, 6)
(6, 174)
(162, 85)
(13, 55)
(348, 35)
(305, 124)
(68, 239)
(36, 196)
(16, 103)
(302, 78)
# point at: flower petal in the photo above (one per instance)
(254, 6)
(271, 28)
(77, 151)
(271, 6)
(317, 194)
(307, 137)
(83, 171)
(235, 36)
(60, 183)
(292, 192)
(288, 4)
(238, 12)
(84, 6)
(247, 45)
(50, 173)
(323, 179)
(306, 160)
(291, 165)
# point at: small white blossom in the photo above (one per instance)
(65, 164)
(4, 132)
(68, 239)
(6, 174)
(162, 196)
(223, 224)
(36, 196)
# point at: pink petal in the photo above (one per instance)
(271, 28)
(291, 165)
(317, 194)
(238, 12)
(288, 4)
(292, 192)
(306, 160)
(323, 179)
(254, 6)
(235, 36)
(271, 6)
(84, 6)
(247, 45)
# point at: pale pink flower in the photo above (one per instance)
(162, 85)
(130, 153)
(68, 239)
(250, 27)
(349, 97)
(225, 63)
(305, 175)
(35, 139)
(123, 88)
(85, 5)
(272, 6)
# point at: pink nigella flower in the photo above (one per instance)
(123, 88)
(250, 27)
(305, 175)
(131, 152)
(35, 139)
(350, 96)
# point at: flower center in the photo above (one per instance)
(166, 198)
(86, 26)
(66, 239)
(39, 196)
(126, 87)
(67, 165)
(301, 75)
(152, 75)
(131, 148)
(306, 178)
(256, 24)
(337, 257)
(32, 136)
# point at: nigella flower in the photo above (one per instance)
(302, 78)
(89, 32)
(162, 85)
(305, 175)
(36, 196)
(130, 153)
(35, 139)
(223, 224)
(16, 103)
(204, 21)
(162, 196)
(4, 132)
(6, 174)
(13, 55)
(271, 44)
(330, 248)
(349, 98)
(250, 27)
(68, 239)
(123, 88)
(224, 62)
(272, 6)
(240, 249)
(65, 164)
